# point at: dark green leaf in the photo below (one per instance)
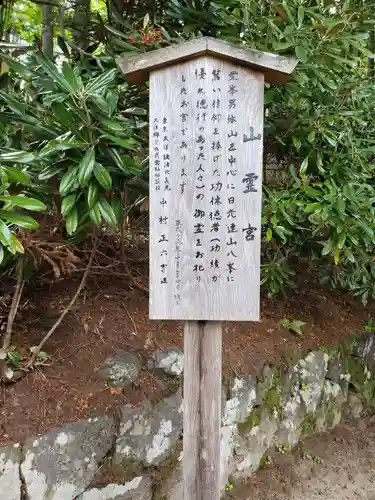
(103, 176)
(71, 221)
(301, 53)
(5, 234)
(24, 202)
(95, 215)
(17, 157)
(68, 181)
(15, 174)
(70, 77)
(92, 193)
(19, 219)
(68, 203)
(99, 84)
(86, 166)
(107, 212)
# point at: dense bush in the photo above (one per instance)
(76, 133)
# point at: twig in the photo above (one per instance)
(11, 317)
(37, 349)
(78, 348)
(131, 319)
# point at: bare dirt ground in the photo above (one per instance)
(109, 316)
(339, 465)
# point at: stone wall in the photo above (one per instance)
(140, 448)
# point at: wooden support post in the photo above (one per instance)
(202, 410)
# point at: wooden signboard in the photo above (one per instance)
(206, 128)
(206, 141)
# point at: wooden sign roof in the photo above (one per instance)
(276, 68)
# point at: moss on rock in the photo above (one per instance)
(253, 420)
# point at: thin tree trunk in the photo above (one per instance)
(81, 24)
(47, 30)
(61, 15)
(371, 47)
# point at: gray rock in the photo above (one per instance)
(252, 445)
(329, 413)
(121, 369)
(337, 372)
(353, 407)
(242, 400)
(172, 487)
(138, 488)
(311, 372)
(10, 483)
(61, 464)
(227, 446)
(170, 362)
(366, 350)
(290, 431)
(149, 433)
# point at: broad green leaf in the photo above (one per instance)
(336, 255)
(116, 205)
(17, 157)
(328, 247)
(103, 176)
(54, 74)
(15, 245)
(124, 143)
(113, 125)
(17, 67)
(48, 172)
(16, 106)
(14, 358)
(135, 111)
(19, 219)
(107, 212)
(304, 166)
(17, 175)
(102, 104)
(95, 215)
(86, 166)
(301, 53)
(269, 234)
(312, 192)
(63, 115)
(63, 46)
(311, 136)
(289, 12)
(99, 84)
(62, 143)
(24, 202)
(301, 15)
(68, 181)
(70, 76)
(112, 97)
(92, 193)
(5, 234)
(71, 221)
(68, 203)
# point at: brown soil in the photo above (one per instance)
(336, 466)
(107, 318)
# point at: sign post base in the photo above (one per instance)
(202, 410)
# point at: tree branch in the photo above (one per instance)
(38, 348)
(11, 317)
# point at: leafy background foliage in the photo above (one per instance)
(74, 134)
